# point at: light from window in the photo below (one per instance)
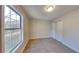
(13, 29)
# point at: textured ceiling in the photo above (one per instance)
(37, 11)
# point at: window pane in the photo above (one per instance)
(13, 15)
(7, 11)
(13, 23)
(13, 19)
(18, 21)
(7, 17)
(7, 22)
(15, 37)
(8, 45)
(18, 17)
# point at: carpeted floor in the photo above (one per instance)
(46, 46)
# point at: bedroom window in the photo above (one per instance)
(12, 29)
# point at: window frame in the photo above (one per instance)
(21, 27)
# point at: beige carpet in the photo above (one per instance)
(46, 46)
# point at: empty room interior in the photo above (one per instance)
(39, 28)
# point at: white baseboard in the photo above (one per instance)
(67, 45)
(70, 47)
(39, 37)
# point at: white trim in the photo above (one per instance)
(17, 47)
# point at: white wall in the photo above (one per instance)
(39, 29)
(53, 30)
(67, 30)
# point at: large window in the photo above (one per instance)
(13, 29)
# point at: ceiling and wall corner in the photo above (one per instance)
(38, 12)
